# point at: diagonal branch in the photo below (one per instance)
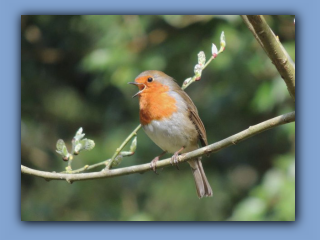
(274, 49)
(234, 139)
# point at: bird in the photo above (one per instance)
(171, 120)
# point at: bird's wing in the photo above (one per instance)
(194, 116)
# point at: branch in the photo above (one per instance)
(274, 49)
(232, 140)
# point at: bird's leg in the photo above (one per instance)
(174, 158)
(155, 160)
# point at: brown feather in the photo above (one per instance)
(194, 116)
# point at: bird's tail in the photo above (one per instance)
(202, 184)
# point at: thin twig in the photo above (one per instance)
(134, 133)
(234, 139)
(88, 167)
(193, 79)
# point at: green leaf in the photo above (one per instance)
(60, 144)
(62, 150)
(133, 146)
(79, 135)
(88, 144)
(117, 160)
(126, 153)
(201, 58)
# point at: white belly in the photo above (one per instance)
(172, 134)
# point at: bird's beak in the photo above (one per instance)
(135, 83)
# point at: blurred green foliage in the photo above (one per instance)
(74, 73)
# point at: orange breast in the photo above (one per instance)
(156, 105)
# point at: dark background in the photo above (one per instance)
(74, 73)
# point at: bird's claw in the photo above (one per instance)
(175, 161)
(153, 165)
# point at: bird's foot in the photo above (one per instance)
(154, 161)
(153, 164)
(175, 160)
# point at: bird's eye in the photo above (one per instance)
(150, 79)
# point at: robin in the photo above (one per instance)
(171, 120)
